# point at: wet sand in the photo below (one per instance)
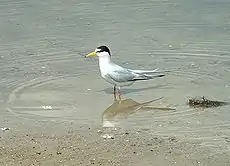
(49, 143)
(53, 99)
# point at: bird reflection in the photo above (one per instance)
(121, 109)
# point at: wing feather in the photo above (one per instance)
(143, 71)
(121, 76)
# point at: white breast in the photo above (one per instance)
(106, 67)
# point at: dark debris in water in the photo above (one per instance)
(205, 103)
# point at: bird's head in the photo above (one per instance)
(102, 51)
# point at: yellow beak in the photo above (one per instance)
(92, 54)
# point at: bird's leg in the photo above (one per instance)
(114, 93)
(119, 93)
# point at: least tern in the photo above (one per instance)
(117, 75)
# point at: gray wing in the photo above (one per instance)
(121, 76)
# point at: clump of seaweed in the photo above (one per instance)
(205, 103)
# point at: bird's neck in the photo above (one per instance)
(104, 60)
(103, 63)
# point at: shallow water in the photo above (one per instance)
(44, 74)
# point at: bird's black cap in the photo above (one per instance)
(104, 48)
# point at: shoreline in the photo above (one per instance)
(53, 143)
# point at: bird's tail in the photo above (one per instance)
(148, 77)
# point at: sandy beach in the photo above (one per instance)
(51, 143)
(55, 109)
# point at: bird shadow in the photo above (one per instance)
(122, 109)
(132, 90)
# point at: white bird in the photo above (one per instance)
(117, 75)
